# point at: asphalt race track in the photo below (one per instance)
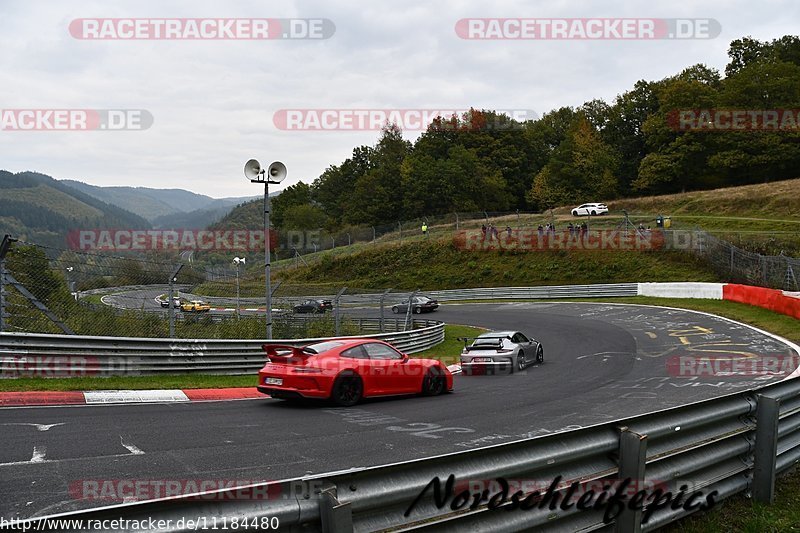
(602, 362)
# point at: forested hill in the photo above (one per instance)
(40, 209)
(658, 137)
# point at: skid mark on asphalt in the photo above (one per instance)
(40, 427)
(426, 430)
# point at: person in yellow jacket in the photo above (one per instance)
(425, 228)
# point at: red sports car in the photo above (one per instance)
(346, 370)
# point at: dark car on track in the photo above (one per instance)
(313, 306)
(419, 304)
(347, 370)
(176, 303)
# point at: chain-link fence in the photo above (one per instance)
(52, 290)
(741, 266)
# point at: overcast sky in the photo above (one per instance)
(213, 101)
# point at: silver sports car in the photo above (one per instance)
(500, 352)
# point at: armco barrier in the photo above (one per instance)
(717, 447)
(771, 299)
(75, 355)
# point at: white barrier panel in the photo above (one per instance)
(709, 291)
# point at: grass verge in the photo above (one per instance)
(740, 514)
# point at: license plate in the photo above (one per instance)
(481, 359)
(273, 381)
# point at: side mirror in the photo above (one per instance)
(405, 358)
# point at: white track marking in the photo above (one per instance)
(130, 447)
(38, 454)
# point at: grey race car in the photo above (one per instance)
(500, 352)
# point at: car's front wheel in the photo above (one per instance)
(539, 355)
(347, 390)
(417, 310)
(395, 309)
(433, 383)
(594, 213)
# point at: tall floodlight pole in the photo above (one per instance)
(274, 174)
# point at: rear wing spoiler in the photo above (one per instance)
(278, 351)
(498, 342)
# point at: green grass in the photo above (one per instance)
(740, 514)
(187, 381)
(449, 350)
(440, 264)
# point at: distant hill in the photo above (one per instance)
(246, 215)
(199, 218)
(153, 204)
(40, 209)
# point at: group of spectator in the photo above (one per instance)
(493, 233)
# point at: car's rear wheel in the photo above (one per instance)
(417, 310)
(521, 360)
(347, 390)
(395, 309)
(433, 383)
(594, 213)
(539, 354)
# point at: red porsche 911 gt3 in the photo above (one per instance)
(346, 370)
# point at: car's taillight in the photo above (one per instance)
(305, 370)
(503, 350)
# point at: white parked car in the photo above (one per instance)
(590, 209)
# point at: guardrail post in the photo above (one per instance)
(337, 316)
(632, 458)
(766, 449)
(410, 309)
(2, 295)
(383, 299)
(336, 517)
(172, 279)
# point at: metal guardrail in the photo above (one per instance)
(601, 290)
(725, 445)
(42, 354)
